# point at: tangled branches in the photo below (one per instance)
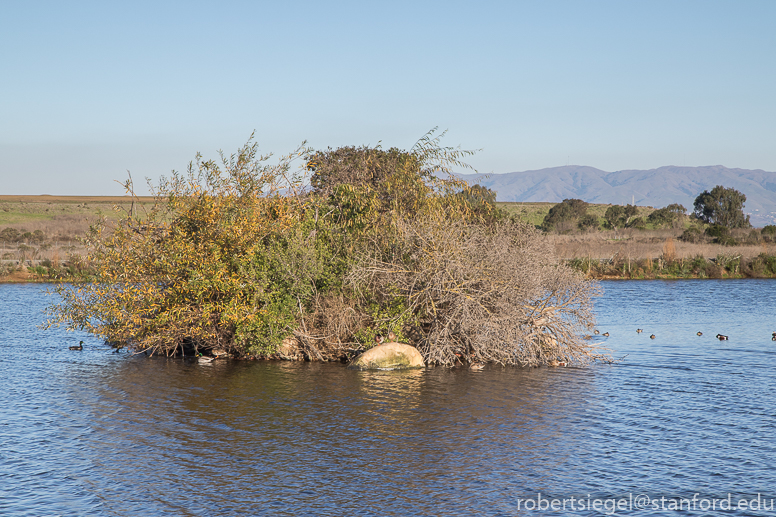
(483, 294)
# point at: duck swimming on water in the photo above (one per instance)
(700, 333)
(80, 346)
(639, 331)
(721, 337)
(652, 336)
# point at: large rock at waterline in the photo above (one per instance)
(389, 356)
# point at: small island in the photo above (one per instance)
(327, 250)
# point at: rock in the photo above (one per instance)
(389, 356)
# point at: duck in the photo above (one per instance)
(379, 340)
(605, 334)
(596, 332)
(391, 337)
(205, 360)
(652, 336)
(699, 333)
(476, 366)
(639, 331)
(555, 363)
(80, 346)
(773, 338)
(721, 337)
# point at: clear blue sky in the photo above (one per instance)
(89, 90)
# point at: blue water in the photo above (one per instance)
(97, 433)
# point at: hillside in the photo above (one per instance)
(655, 187)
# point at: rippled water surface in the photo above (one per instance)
(96, 433)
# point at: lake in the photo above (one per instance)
(681, 416)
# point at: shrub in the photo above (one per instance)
(235, 256)
(670, 216)
(10, 235)
(692, 234)
(769, 233)
(567, 211)
(588, 222)
(618, 216)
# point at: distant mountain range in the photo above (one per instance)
(655, 187)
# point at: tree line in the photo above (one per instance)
(720, 208)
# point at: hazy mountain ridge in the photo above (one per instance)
(656, 187)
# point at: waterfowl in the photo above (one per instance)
(476, 366)
(773, 338)
(700, 333)
(555, 363)
(652, 336)
(379, 340)
(391, 337)
(596, 332)
(639, 331)
(721, 337)
(605, 334)
(80, 346)
(204, 359)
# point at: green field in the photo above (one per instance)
(61, 215)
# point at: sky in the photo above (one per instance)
(91, 90)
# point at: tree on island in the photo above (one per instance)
(722, 206)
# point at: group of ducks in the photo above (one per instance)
(721, 337)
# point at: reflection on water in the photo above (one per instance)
(95, 433)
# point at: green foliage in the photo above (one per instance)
(617, 216)
(569, 210)
(723, 206)
(588, 222)
(10, 235)
(668, 216)
(392, 314)
(636, 222)
(692, 234)
(769, 233)
(721, 235)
